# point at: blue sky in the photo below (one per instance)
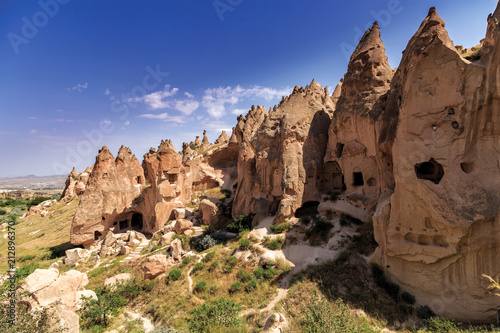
(79, 74)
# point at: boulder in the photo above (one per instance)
(119, 278)
(110, 239)
(182, 213)
(105, 251)
(65, 319)
(155, 266)
(275, 323)
(182, 225)
(188, 232)
(40, 279)
(209, 210)
(44, 213)
(176, 249)
(75, 255)
(167, 238)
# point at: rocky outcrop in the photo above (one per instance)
(281, 153)
(441, 231)
(110, 200)
(75, 184)
(49, 289)
(155, 265)
(413, 151)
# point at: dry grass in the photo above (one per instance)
(46, 238)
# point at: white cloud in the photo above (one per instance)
(215, 99)
(33, 131)
(126, 123)
(239, 111)
(107, 92)
(79, 87)
(164, 117)
(33, 118)
(59, 110)
(106, 122)
(163, 100)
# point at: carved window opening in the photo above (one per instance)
(97, 235)
(172, 178)
(339, 149)
(467, 167)
(123, 224)
(332, 177)
(357, 179)
(137, 222)
(139, 180)
(431, 170)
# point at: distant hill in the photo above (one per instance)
(33, 182)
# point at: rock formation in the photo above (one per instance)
(413, 151)
(75, 184)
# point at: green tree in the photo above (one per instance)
(99, 311)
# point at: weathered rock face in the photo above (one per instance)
(48, 288)
(75, 184)
(109, 202)
(352, 160)
(280, 156)
(415, 151)
(441, 230)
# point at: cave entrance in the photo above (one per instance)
(97, 235)
(430, 170)
(332, 179)
(357, 179)
(123, 224)
(137, 222)
(307, 208)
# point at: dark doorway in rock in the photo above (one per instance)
(431, 170)
(308, 208)
(137, 222)
(339, 149)
(97, 235)
(332, 178)
(123, 224)
(357, 179)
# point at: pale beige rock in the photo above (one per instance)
(208, 210)
(155, 266)
(119, 278)
(75, 255)
(182, 225)
(275, 323)
(167, 238)
(125, 250)
(176, 249)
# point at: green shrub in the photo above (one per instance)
(342, 257)
(242, 223)
(259, 272)
(197, 267)
(26, 270)
(280, 228)
(3, 212)
(425, 312)
(214, 264)
(269, 273)
(244, 276)
(227, 268)
(408, 298)
(232, 261)
(16, 211)
(320, 229)
(321, 316)
(274, 244)
(305, 219)
(200, 286)
(213, 289)
(441, 325)
(244, 243)
(175, 274)
(186, 260)
(235, 287)
(215, 316)
(205, 243)
(251, 285)
(391, 288)
(26, 258)
(346, 220)
(99, 312)
(209, 256)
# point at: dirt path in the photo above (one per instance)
(190, 280)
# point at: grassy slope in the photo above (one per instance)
(44, 237)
